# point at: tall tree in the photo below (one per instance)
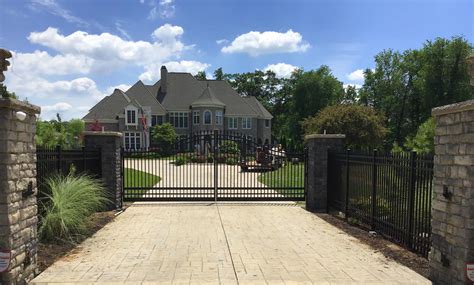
(201, 75)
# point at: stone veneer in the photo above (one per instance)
(453, 197)
(110, 144)
(317, 179)
(18, 210)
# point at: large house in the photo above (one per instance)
(189, 104)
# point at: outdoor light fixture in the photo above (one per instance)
(21, 115)
(446, 193)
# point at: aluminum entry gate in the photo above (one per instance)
(211, 166)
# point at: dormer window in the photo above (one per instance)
(131, 117)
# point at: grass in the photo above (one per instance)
(67, 205)
(290, 175)
(136, 178)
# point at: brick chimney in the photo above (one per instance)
(164, 79)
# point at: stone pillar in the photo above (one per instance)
(317, 180)
(453, 198)
(110, 144)
(18, 208)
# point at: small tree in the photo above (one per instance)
(363, 126)
(423, 141)
(163, 136)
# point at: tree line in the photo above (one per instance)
(401, 90)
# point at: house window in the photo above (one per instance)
(232, 123)
(267, 123)
(131, 117)
(132, 140)
(218, 117)
(246, 123)
(156, 120)
(196, 117)
(179, 120)
(207, 117)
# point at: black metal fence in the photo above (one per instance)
(50, 161)
(390, 193)
(214, 166)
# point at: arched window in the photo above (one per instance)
(207, 117)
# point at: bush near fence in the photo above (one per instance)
(395, 202)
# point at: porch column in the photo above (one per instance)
(317, 180)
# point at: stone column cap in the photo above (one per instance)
(14, 104)
(105, 134)
(453, 108)
(325, 136)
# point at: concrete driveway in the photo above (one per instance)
(224, 244)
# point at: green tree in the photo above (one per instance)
(423, 141)
(201, 75)
(312, 91)
(351, 95)
(219, 74)
(163, 136)
(4, 93)
(362, 125)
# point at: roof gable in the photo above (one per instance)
(207, 99)
(109, 107)
(141, 94)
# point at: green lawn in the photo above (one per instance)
(137, 178)
(290, 175)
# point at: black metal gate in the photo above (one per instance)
(211, 166)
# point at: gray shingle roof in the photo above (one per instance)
(109, 107)
(207, 99)
(142, 95)
(257, 106)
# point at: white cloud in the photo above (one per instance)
(356, 75)
(167, 33)
(257, 43)
(41, 63)
(108, 48)
(152, 72)
(222, 41)
(122, 31)
(357, 86)
(282, 70)
(163, 8)
(61, 106)
(123, 87)
(54, 8)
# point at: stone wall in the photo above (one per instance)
(317, 179)
(453, 198)
(18, 208)
(110, 144)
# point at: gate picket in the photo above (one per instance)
(214, 166)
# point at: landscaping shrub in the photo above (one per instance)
(231, 161)
(230, 147)
(163, 137)
(210, 158)
(69, 202)
(180, 160)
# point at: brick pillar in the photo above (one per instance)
(317, 180)
(110, 144)
(18, 208)
(453, 199)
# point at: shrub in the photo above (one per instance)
(210, 158)
(362, 125)
(229, 147)
(163, 136)
(231, 161)
(180, 160)
(70, 201)
(423, 141)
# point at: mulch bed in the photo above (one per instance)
(49, 253)
(389, 249)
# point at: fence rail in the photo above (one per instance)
(390, 193)
(57, 160)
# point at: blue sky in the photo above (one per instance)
(69, 54)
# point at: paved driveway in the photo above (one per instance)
(224, 244)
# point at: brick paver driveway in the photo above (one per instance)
(224, 244)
